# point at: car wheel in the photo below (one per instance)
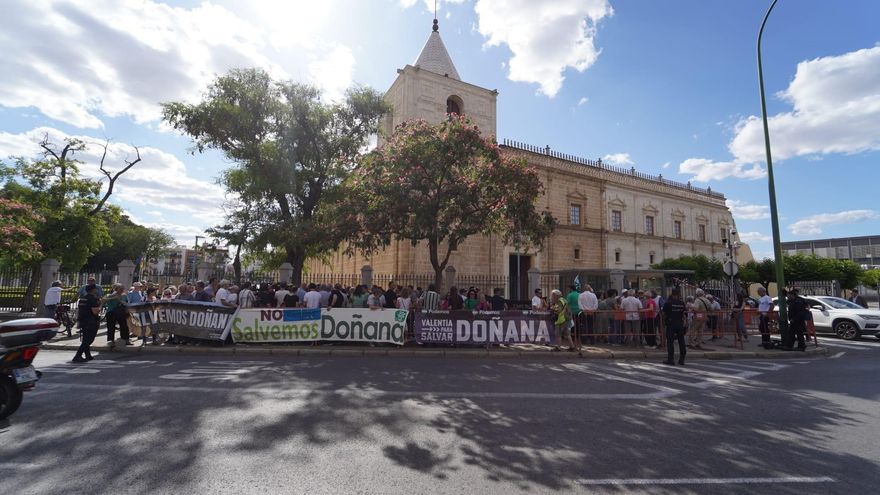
(846, 330)
(10, 397)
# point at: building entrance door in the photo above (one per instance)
(518, 274)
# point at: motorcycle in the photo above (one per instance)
(19, 345)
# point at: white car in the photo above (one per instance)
(846, 319)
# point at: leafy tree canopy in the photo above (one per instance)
(441, 184)
(704, 268)
(129, 241)
(291, 151)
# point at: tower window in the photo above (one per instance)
(454, 105)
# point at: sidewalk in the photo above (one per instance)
(720, 349)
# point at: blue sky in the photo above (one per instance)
(666, 87)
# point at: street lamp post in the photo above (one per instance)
(774, 217)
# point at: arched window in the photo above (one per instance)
(454, 105)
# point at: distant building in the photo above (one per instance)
(864, 250)
(610, 218)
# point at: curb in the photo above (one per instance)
(441, 353)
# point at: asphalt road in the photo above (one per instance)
(210, 424)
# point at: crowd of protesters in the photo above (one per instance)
(628, 318)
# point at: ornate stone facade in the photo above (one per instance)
(609, 218)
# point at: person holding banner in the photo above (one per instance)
(563, 321)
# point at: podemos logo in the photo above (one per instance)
(400, 315)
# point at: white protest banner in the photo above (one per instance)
(268, 325)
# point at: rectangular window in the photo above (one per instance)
(577, 253)
(649, 225)
(724, 236)
(702, 233)
(574, 214)
(676, 229)
(617, 256)
(616, 221)
(651, 259)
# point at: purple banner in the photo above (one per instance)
(464, 327)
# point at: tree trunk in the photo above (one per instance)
(297, 259)
(27, 304)
(236, 265)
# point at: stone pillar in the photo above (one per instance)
(534, 281)
(126, 273)
(367, 275)
(617, 277)
(448, 279)
(48, 274)
(285, 272)
(204, 271)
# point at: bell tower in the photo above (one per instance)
(431, 88)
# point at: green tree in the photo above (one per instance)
(440, 184)
(241, 220)
(291, 150)
(704, 268)
(846, 272)
(871, 278)
(761, 272)
(74, 208)
(129, 241)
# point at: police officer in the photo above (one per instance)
(797, 319)
(89, 308)
(674, 314)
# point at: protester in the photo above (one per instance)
(483, 303)
(649, 327)
(167, 295)
(117, 313)
(52, 298)
(151, 295)
(496, 300)
(136, 294)
(714, 309)
(312, 298)
(765, 304)
(201, 293)
(470, 302)
(573, 304)
(538, 301)
(376, 299)
(90, 281)
(588, 303)
(674, 310)
(391, 295)
(563, 320)
(246, 297)
(404, 301)
(324, 292)
(291, 300)
(212, 287)
(453, 300)
(88, 309)
(701, 309)
(430, 300)
(632, 326)
(359, 297)
(337, 297)
(280, 293)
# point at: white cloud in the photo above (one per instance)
(429, 4)
(666, 165)
(546, 38)
(812, 225)
(333, 72)
(745, 211)
(835, 109)
(749, 237)
(703, 170)
(617, 159)
(160, 182)
(583, 101)
(77, 60)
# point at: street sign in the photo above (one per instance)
(731, 268)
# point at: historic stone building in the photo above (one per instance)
(609, 218)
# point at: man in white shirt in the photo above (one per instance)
(538, 302)
(52, 298)
(631, 305)
(588, 304)
(280, 293)
(246, 297)
(312, 298)
(223, 297)
(765, 305)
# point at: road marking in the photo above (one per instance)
(705, 481)
(838, 355)
(665, 393)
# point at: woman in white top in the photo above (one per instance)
(404, 301)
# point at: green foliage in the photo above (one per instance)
(704, 268)
(441, 184)
(799, 267)
(72, 207)
(291, 149)
(128, 242)
(761, 272)
(871, 278)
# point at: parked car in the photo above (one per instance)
(843, 318)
